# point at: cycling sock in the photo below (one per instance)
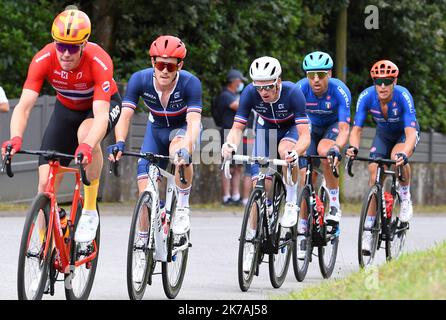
(226, 198)
(245, 201)
(334, 197)
(291, 193)
(91, 193)
(236, 197)
(405, 192)
(183, 197)
(369, 221)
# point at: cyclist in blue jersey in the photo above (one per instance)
(397, 131)
(328, 103)
(173, 97)
(280, 106)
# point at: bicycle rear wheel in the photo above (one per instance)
(79, 281)
(32, 271)
(371, 204)
(327, 254)
(140, 262)
(249, 242)
(173, 272)
(279, 263)
(300, 266)
(395, 246)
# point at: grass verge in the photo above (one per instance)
(418, 276)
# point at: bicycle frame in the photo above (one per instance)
(62, 246)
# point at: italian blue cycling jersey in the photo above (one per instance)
(185, 97)
(287, 111)
(401, 110)
(333, 107)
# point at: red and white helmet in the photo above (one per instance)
(168, 47)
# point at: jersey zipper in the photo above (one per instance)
(274, 115)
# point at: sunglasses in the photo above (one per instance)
(72, 48)
(267, 87)
(386, 81)
(320, 74)
(171, 67)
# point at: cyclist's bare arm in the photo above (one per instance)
(234, 136)
(355, 139)
(100, 123)
(304, 138)
(122, 129)
(21, 113)
(193, 120)
(411, 140)
(344, 129)
(4, 107)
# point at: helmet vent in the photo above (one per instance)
(166, 43)
(266, 66)
(273, 71)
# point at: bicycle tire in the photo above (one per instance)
(145, 199)
(395, 246)
(41, 202)
(301, 267)
(172, 289)
(254, 200)
(332, 237)
(70, 293)
(277, 278)
(373, 193)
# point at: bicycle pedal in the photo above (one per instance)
(189, 245)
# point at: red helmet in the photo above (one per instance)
(168, 47)
(384, 69)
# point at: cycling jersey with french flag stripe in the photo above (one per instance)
(184, 98)
(78, 88)
(288, 110)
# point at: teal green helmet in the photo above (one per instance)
(317, 60)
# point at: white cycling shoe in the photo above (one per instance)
(302, 247)
(367, 239)
(247, 260)
(87, 226)
(289, 218)
(334, 216)
(406, 211)
(181, 221)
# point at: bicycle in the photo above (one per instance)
(162, 244)
(45, 248)
(261, 231)
(385, 205)
(319, 233)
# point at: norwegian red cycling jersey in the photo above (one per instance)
(76, 89)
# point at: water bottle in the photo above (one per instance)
(64, 222)
(389, 203)
(165, 219)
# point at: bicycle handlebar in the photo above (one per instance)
(334, 170)
(151, 157)
(379, 161)
(47, 154)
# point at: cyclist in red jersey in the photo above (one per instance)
(87, 107)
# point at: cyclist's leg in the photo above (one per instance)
(404, 190)
(60, 135)
(328, 140)
(288, 139)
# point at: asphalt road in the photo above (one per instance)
(212, 268)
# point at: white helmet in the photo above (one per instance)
(265, 68)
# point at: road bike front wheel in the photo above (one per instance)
(279, 263)
(32, 271)
(327, 254)
(249, 241)
(397, 231)
(79, 281)
(369, 234)
(178, 247)
(304, 240)
(140, 262)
